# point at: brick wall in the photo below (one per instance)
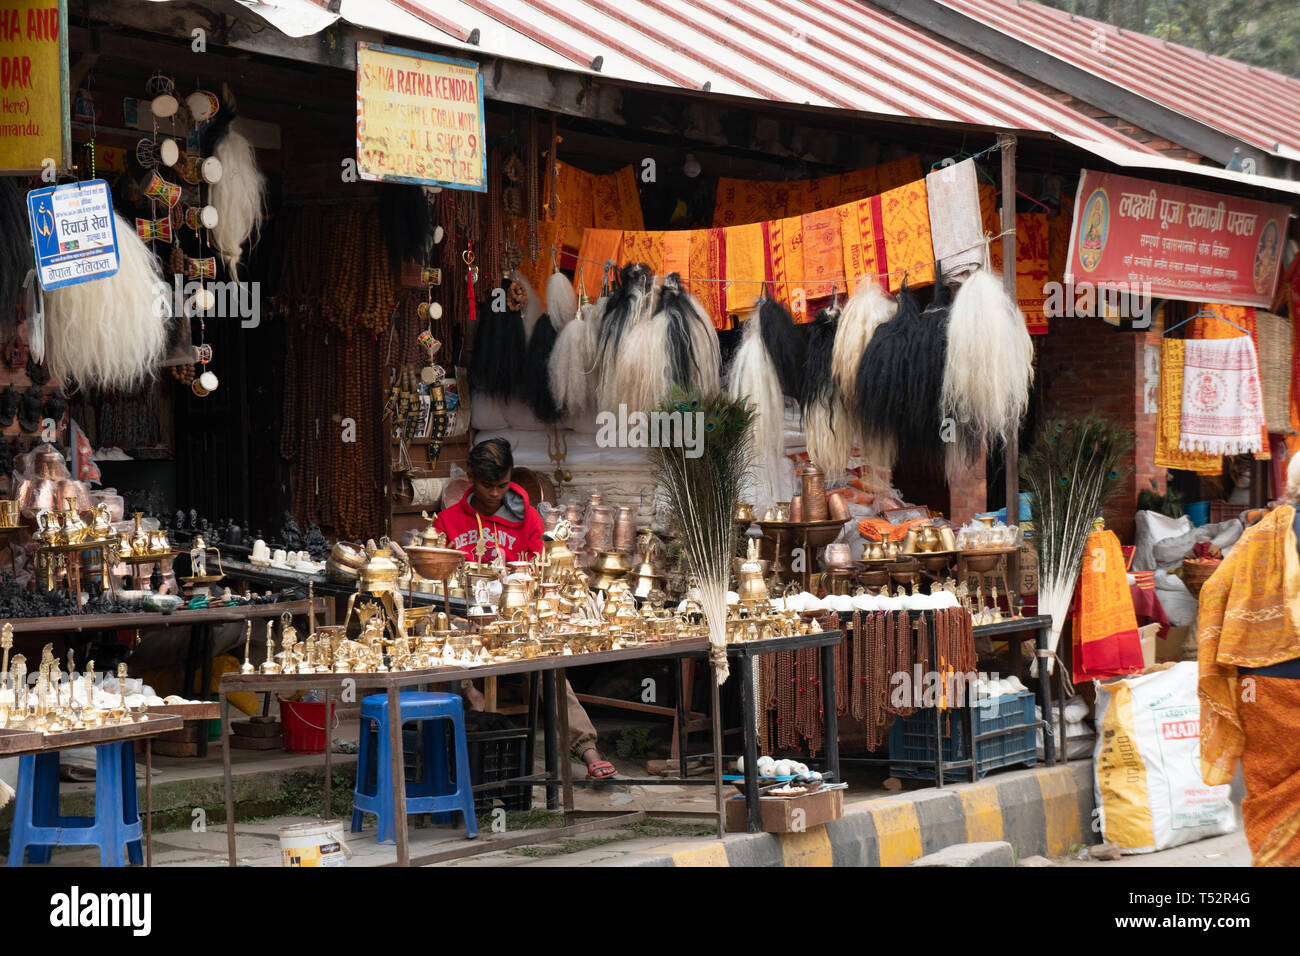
(1087, 367)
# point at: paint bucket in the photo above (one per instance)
(304, 725)
(314, 844)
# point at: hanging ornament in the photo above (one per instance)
(471, 276)
(202, 105)
(154, 229)
(169, 152)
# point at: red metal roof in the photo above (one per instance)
(836, 53)
(1257, 106)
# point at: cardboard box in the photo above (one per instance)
(780, 814)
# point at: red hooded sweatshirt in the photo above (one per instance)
(460, 524)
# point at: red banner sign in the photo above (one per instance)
(1172, 242)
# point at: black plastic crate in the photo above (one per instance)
(496, 756)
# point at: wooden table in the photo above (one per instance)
(16, 743)
(198, 655)
(558, 774)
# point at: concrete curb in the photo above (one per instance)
(1039, 812)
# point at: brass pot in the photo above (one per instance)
(379, 573)
(558, 554)
(645, 579)
(744, 513)
(139, 537)
(609, 566)
(750, 584)
(514, 594)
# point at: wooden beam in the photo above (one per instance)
(1008, 144)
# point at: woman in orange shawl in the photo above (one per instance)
(1249, 660)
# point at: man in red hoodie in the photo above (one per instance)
(512, 527)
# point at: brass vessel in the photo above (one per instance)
(608, 568)
(379, 573)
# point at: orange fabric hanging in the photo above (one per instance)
(1033, 256)
(1032, 245)
(878, 179)
(598, 247)
(573, 194)
(823, 253)
(708, 262)
(629, 198)
(785, 250)
(677, 252)
(905, 222)
(741, 201)
(857, 241)
(746, 257)
(1106, 639)
(647, 247)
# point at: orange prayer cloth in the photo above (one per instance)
(598, 247)
(1247, 618)
(1168, 427)
(823, 254)
(1033, 256)
(905, 222)
(707, 262)
(858, 241)
(1106, 639)
(740, 201)
(746, 266)
(647, 247)
(785, 252)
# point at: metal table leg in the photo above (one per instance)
(552, 746)
(754, 817)
(329, 758)
(1045, 695)
(830, 720)
(230, 790)
(678, 666)
(148, 800)
(715, 713)
(562, 719)
(399, 774)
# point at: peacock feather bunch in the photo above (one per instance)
(702, 481)
(1070, 471)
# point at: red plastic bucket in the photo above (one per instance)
(304, 725)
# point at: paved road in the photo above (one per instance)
(1229, 850)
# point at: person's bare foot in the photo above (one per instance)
(476, 701)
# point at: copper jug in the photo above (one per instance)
(813, 485)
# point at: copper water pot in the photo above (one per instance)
(839, 508)
(625, 530)
(813, 484)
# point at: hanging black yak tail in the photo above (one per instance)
(497, 366)
(786, 345)
(536, 389)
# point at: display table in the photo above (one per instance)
(551, 669)
(198, 656)
(18, 743)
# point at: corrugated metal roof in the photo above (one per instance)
(1257, 106)
(834, 53)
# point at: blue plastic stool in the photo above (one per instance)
(435, 793)
(115, 828)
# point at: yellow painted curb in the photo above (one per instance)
(983, 814)
(1060, 810)
(898, 833)
(714, 854)
(811, 848)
